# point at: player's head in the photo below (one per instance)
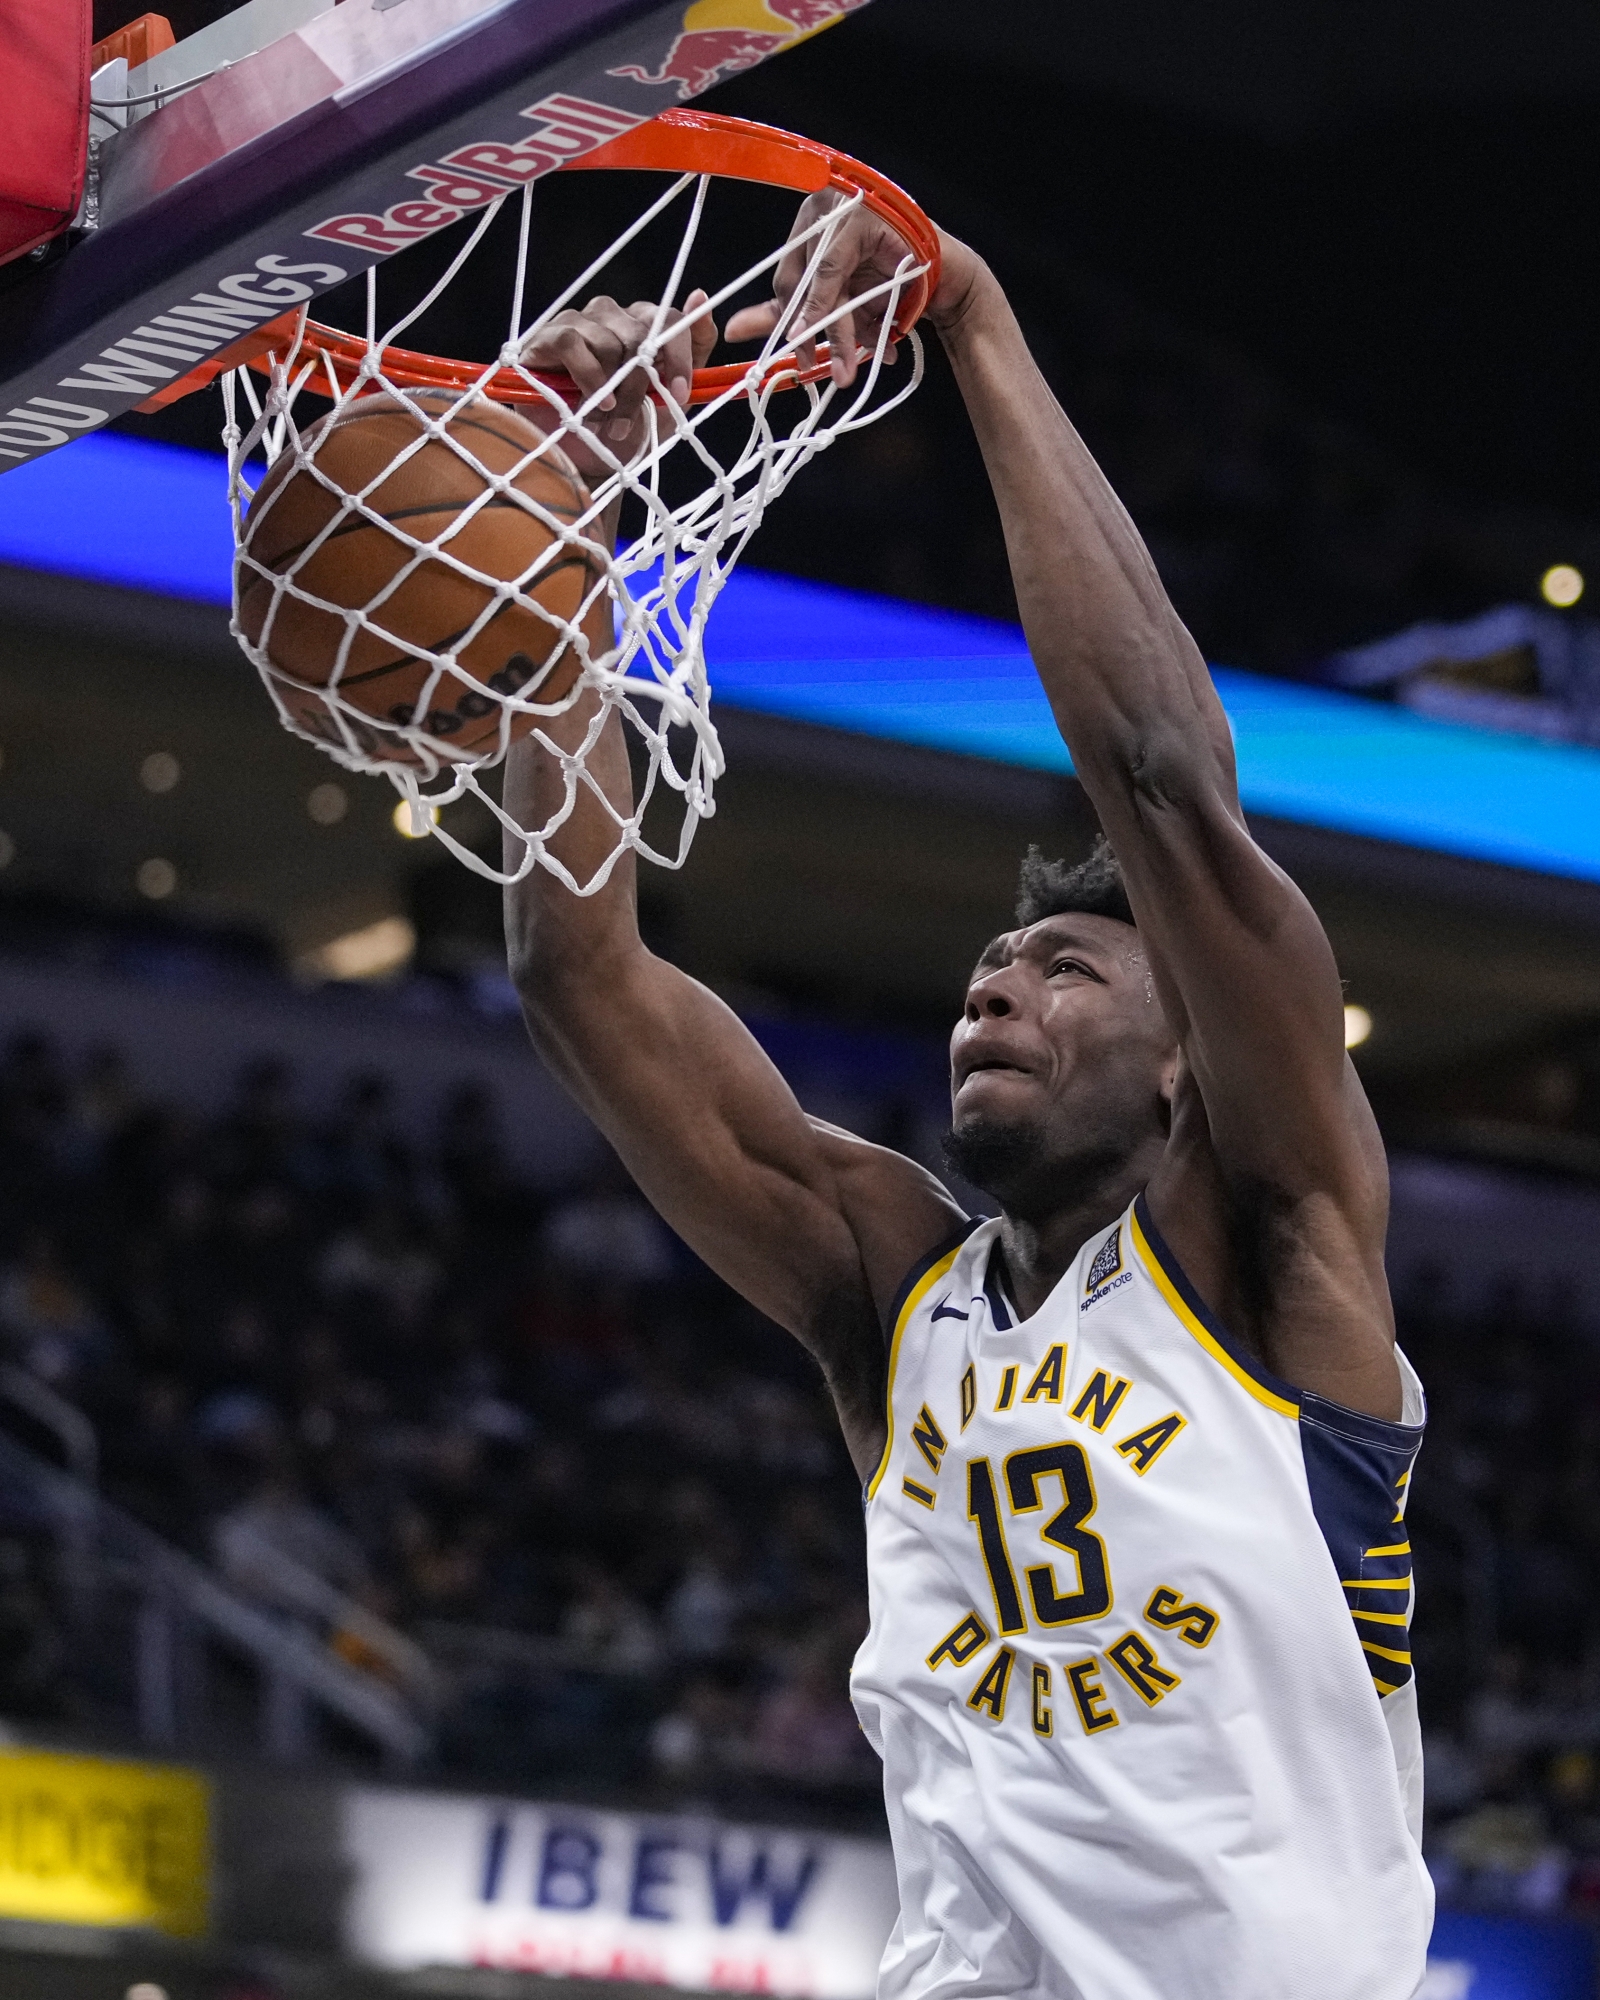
(1062, 1064)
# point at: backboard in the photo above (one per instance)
(296, 143)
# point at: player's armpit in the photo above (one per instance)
(1274, 1190)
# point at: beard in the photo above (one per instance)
(1016, 1164)
(1005, 1160)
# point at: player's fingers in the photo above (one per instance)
(655, 338)
(842, 350)
(581, 344)
(833, 278)
(540, 348)
(862, 261)
(589, 352)
(841, 255)
(703, 331)
(754, 322)
(675, 364)
(795, 268)
(628, 328)
(688, 347)
(868, 322)
(822, 299)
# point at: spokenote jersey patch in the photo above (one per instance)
(1105, 1272)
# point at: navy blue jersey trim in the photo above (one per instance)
(920, 1269)
(1357, 1471)
(1000, 1313)
(1358, 1428)
(1231, 1345)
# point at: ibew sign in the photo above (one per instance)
(555, 1889)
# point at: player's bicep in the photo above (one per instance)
(716, 1140)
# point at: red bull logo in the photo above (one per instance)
(721, 37)
(808, 15)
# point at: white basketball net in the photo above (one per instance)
(662, 585)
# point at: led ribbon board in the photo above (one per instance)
(149, 516)
(1305, 754)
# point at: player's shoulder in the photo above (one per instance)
(899, 1213)
(955, 1266)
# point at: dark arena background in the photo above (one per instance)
(418, 1574)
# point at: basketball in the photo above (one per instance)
(523, 648)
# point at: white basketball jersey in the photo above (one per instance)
(1138, 1668)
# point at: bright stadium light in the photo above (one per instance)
(1561, 585)
(404, 825)
(1357, 1026)
(371, 953)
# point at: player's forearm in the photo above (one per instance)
(552, 936)
(554, 939)
(1129, 689)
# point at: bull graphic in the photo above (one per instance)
(721, 37)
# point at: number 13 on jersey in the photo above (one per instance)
(1024, 1474)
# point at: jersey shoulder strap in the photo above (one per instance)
(923, 1275)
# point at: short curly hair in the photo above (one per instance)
(1093, 886)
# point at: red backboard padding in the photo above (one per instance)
(44, 53)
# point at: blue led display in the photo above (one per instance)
(122, 511)
(119, 510)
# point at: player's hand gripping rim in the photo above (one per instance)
(860, 256)
(594, 344)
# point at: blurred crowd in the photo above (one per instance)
(609, 1499)
(532, 1433)
(1505, 1520)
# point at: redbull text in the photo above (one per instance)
(473, 176)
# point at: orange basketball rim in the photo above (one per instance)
(678, 142)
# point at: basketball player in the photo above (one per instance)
(1135, 1452)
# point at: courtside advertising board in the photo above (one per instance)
(695, 1902)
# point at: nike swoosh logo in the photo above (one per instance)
(944, 1310)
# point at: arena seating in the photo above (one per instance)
(471, 1405)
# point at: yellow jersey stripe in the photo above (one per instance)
(1398, 1549)
(914, 1298)
(1375, 1583)
(1386, 1687)
(1383, 1653)
(1203, 1334)
(1380, 1617)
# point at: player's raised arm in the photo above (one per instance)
(1273, 1191)
(1281, 1139)
(813, 1226)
